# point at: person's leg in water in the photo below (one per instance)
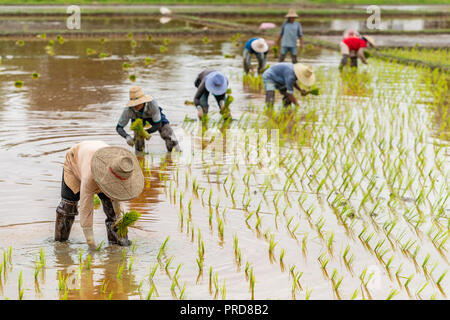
(169, 137)
(269, 87)
(283, 52)
(286, 99)
(247, 61)
(294, 53)
(204, 105)
(111, 218)
(65, 212)
(344, 61)
(262, 60)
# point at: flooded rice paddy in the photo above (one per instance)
(346, 199)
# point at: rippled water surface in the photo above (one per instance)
(79, 97)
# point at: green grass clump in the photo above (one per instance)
(18, 83)
(128, 219)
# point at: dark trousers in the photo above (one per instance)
(344, 61)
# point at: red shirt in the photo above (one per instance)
(354, 43)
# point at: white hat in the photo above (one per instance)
(260, 45)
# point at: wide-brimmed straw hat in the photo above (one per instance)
(292, 14)
(260, 45)
(305, 74)
(216, 83)
(370, 40)
(137, 97)
(117, 172)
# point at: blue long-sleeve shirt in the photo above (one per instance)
(283, 75)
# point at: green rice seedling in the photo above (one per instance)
(90, 52)
(282, 254)
(168, 263)
(354, 295)
(18, 84)
(408, 280)
(420, 290)
(425, 263)
(62, 281)
(99, 247)
(130, 264)
(304, 243)
(132, 77)
(308, 293)
(35, 76)
(127, 220)
(148, 61)
(151, 291)
(153, 271)
(20, 287)
(392, 294)
(252, 283)
(162, 49)
(133, 43)
(20, 43)
(323, 264)
(37, 269)
(330, 243)
(88, 262)
(120, 271)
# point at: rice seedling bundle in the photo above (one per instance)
(138, 127)
(127, 220)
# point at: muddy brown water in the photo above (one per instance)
(80, 98)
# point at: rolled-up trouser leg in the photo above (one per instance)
(111, 218)
(169, 137)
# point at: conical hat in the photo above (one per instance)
(292, 13)
(137, 97)
(117, 172)
(305, 74)
(260, 45)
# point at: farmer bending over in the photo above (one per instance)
(258, 47)
(146, 108)
(210, 81)
(353, 47)
(283, 76)
(93, 167)
(290, 32)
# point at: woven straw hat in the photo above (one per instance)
(370, 40)
(292, 13)
(137, 97)
(305, 74)
(117, 172)
(260, 45)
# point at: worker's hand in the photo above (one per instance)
(148, 137)
(199, 111)
(221, 104)
(303, 92)
(130, 140)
